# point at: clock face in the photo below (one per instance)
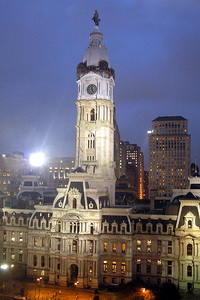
(91, 89)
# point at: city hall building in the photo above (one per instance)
(82, 235)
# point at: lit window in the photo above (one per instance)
(105, 247)
(114, 267)
(189, 224)
(43, 242)
(12, 236)
(105, 266)
(149, 242)
(123, 248)
(123, 267)
(114, 248)
(138, 266)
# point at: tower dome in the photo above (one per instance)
(95, 58)
(95, 51)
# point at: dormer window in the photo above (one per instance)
(74, 203)
(123, 229)
(114, 229)
(189, 224)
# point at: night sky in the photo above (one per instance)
(153, 45)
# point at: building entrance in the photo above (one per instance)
(189, 287)
(73, 273)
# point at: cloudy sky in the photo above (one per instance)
(153, 45)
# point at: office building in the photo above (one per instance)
(169, 155)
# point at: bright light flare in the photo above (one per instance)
(37, 159)
(4, 267)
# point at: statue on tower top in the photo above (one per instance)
(96, 18)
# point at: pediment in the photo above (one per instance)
(71, 216)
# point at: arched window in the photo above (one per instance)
(74, 203)
(91, 228)
(34, 260)
(189, 271)
(189, 224)
(189, 249)
(92, 114)
(42, 261)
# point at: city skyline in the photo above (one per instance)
(153, 47)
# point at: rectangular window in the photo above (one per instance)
(159, 249)
(148, 249)
(12, 236)
(114, 267)
(114, 248)
(159, 267)
(12, 254)
(4, 253)
(91, 246)
(148, 266)
(123, 248)
(148, 242)
(169, 267)
(123, 267)
(138, 266)
(148, 269)
(105, 266)
(169, 247)
(43, 242)
(105, 247)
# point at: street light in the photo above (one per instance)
(39, 279)
(76, 283)
(37, 159)
(5, 267)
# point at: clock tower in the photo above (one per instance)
(95, 127)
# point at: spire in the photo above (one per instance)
(95, 58)
(95, 51)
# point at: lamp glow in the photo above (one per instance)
(4, 267)
(37, 159)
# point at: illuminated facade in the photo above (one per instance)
(169, 155)
(82, 235)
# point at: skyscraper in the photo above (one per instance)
(169, 155)
(134, 166)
